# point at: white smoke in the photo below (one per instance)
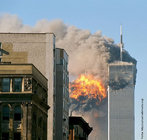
(87, 53)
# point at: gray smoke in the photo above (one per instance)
(90, 53)
(119, 84)
(85, 104)
(98, 119)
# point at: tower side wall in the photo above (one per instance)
(121, 102)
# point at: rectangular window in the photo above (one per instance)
(1, 84)
(5, 84)
(5, 136)
(5, 113)
(17, 85)
(1, 50)
(17, 136)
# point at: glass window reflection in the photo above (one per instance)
(17, 85)
(5, 84)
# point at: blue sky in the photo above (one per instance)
(104, 15)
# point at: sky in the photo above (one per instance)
(95, 15)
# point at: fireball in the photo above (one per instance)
(87, 87)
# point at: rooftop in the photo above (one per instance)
(22, 69)
(74, 120)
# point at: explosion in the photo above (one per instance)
(88, 87)
(86, 50)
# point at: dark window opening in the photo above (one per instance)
(44, 126)
(5, 84)
(17, 85)
(5, 136)
(40, 122)
(17, 113)
(5, 113)
(34, 118)
(34, 85)
(1, 84)
(76, 130)
(17, 136)
(34, 125)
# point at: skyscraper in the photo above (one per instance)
(62, 95)
(122, 76)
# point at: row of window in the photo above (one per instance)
(5, 84)
(6, 113)
(16, 136)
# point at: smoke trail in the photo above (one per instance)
(90, 53)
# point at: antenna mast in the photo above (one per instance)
(121, 43)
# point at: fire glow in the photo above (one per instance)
(87, 86)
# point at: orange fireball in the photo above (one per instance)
(87, 86)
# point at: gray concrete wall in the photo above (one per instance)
(121, 101)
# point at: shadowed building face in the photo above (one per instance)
(23, 98)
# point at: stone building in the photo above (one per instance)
(23, 102)
(39, 50)
(62, 95)
(79, 129)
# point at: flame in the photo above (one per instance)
(87, 86)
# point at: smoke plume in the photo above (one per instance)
(88, 53)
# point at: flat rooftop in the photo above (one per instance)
(7, 70)
(75, 120)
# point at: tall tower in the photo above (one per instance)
(121, 101)
(62, 95)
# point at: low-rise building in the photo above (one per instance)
(79, 129)
(23, 103)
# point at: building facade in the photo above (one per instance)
(79, 129)
(23, 103)
(122, 77)
(62, 95)
(38, 49)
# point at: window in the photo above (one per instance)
(44, 126)
(5, 113)
(40, 122)
(76, 130)
(5, 136)
(5, 84)
(17, 113)
(34, 118)
(17, 136)
(17, 84)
